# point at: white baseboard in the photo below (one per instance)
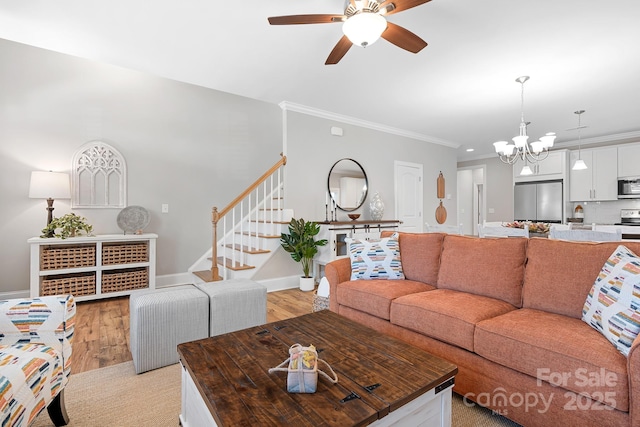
(277, 284)
(281, 283)
(173, 279)
(14, 294)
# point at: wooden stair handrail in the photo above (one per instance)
(245, 193)
(215, 215)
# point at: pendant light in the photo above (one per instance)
(579, 164)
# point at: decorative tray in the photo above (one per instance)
(133, 219)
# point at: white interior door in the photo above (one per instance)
(408, 189)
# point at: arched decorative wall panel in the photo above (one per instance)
(99, 177)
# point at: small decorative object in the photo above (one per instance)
(70, 225)
(353, 216)
(300, 242)
(133, 219)
(376, 207)
(579, 212)
(534, 227)
(302, 370)
(441, 211)
(326, 207)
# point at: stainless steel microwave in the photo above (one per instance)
(629, 188)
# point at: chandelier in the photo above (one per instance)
(520, 149)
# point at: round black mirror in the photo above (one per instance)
(347, 184)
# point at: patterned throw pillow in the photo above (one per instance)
(612, 306)
(375, 259)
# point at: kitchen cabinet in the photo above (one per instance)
(93, 267)
(599, 182)
(628, 160)
(553, 167)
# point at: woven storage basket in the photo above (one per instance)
(125, 253)
(125, 280)
(320, 303)
(76, 285)
(59, 257)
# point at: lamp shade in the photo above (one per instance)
(526, 170)
(49, 185)
(579, 165)
(364, 28)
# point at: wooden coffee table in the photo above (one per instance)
(381, 380)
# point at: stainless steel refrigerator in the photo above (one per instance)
(538, 201)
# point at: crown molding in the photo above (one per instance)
(310, 111)
(603, 140)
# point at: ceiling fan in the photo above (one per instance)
(363, 23)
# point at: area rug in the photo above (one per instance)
(116, 397)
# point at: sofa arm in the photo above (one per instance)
(337, 271)
(633, 374)
(48, 320)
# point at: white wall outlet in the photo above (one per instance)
(491, 210)
(165, 208)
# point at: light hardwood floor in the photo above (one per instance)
(102, 327)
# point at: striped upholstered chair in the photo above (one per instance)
(35, 358)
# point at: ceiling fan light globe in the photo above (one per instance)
(365, 28)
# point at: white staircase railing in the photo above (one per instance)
(255, 220)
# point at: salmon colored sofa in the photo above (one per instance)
(508, 312)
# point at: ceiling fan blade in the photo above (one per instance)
(395, 6)
(339, 50)
(403, 38)
(305, 19)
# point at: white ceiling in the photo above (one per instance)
(460, 90)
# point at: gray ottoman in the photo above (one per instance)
(163, 318)
(235, 304)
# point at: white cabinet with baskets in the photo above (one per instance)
(93, 267)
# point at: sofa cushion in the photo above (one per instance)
(556, 349)
(374, 296)
(560, 273)
(613, 302)
(375, 259)
(446, 315)
(421, 255)
(488, 267)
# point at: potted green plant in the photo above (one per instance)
(69, 225)
(300, 242)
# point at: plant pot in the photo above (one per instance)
(307, 284)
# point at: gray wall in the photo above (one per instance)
(312, 151)
(187, 146)
(499, 188)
